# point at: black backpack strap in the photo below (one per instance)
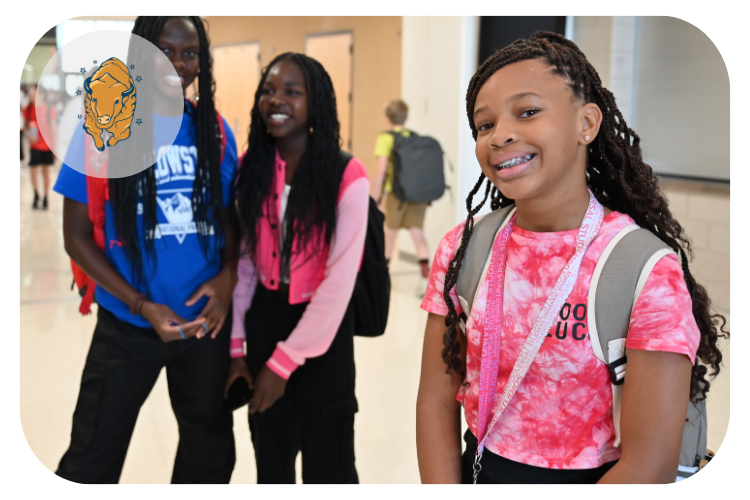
(477, 255)
(395, 136)
(345, 158)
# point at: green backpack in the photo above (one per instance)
(619, 278)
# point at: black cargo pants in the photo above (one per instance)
(121, 368)
(315, 415)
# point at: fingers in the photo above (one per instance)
(262, 400)
(218, 327)
(200, 292)
(259, 403)
(203, 329)
(195, 328)
(170, 325)
(184, 329)
(215, 314)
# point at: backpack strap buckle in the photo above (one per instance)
(462, 320)
(613, 374)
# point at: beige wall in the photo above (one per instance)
(376, 63)
(593, 34)
(703, 210)
(439, 58)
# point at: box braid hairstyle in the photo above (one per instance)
(311, 209)
(207, 198)
(616, 174)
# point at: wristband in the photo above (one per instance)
(140, 309)
(137, 304)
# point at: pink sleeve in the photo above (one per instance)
(247, 280)
(433, 300)
(662, 319)
(319, 323)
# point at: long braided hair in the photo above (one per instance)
(207, 198)
(616, 174)
(311, 209)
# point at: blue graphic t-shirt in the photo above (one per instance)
(181, 266)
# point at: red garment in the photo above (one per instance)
(307, 268)
(561, 415)
(326, 280)
(39, 121)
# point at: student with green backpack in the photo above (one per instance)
(531, 322)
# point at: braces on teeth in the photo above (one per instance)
(513, 162)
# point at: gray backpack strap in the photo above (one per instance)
(477, 255)
(694, 440)
(618, 280)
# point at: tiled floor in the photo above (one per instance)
(55, 339)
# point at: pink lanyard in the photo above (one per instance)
(592, 221)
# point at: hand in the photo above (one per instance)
(167, 323)
(219, 290)
(237, 369)
(268, 388)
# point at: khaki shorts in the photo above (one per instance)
(403, 215)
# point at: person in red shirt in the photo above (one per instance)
(39, 114)
(550, 139)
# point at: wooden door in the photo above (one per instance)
(334, 51)
(237, 73)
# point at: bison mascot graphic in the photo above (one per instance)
(110, 102)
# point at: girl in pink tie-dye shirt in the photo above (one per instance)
(546, 133)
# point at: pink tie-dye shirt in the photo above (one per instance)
(561, 415)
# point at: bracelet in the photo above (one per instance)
(141, 308)
(137, 305)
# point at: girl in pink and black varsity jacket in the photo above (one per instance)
(302, 209)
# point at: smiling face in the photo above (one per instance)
(283, 100)
(531, 131)
(179, 41)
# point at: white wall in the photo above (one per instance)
(681, 99)
(671, 85)
(438, 59)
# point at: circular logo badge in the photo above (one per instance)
(119, 115)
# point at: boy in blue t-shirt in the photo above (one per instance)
(164, 285)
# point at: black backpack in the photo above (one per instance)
(417, 168)
(372, 290)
